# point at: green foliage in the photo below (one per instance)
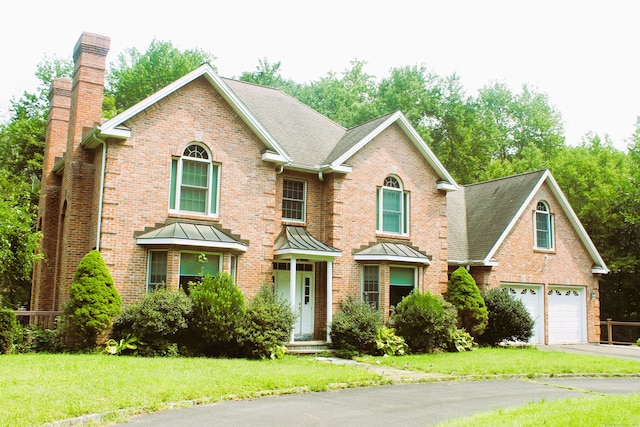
(218, 309)
(266, 325)
(18, 242)
(33, 339)
(462, 341)
(159, 320)
(390, 344)
(426, 321)
(126, 345)
(509, 319)
(464, 294)
(354, 328)
(8, 329)
(93, 301)
(135, 75)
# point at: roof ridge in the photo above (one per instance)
(506, 177)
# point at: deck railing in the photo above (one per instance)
(44, 319)
(629, 335)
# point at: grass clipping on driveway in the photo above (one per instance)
(39, 388)
(487, 362)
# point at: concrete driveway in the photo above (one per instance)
(624, 352)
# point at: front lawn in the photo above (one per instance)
(509, 361)
(39, 388)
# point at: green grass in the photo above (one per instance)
(39, 388)
(510, 361)
(584, 412)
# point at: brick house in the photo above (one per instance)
(269, 190)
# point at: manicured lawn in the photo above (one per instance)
(38, 388)
(584, 412)
(510, 361)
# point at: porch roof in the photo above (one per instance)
(389, 251)
(296, 240)
(188, 234)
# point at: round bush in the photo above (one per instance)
(266, 325)
(464, 294)
(158, 321)
(8, 328)
(509, 319)
(218, 309)
(93, 301)
(354, 328)
(427, 322)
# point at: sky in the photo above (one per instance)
(584, 55)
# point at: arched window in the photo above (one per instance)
(392, 207)
(194, 181)
(543, 222)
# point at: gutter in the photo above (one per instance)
(90, 142)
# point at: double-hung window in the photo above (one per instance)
(157, 270)
(392, 207)
(194, 182)
(543, 221)
(371, 285)
(293, 200)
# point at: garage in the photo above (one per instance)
(567, 319)
(532, 298)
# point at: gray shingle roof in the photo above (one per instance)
(478, 214)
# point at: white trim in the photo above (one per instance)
(302, 253)
(392, 258)
(188, 242)
(304, 201)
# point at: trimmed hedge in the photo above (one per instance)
(354, 329)
(8, 329)
(509, 319)
(464, 294)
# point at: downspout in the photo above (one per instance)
(100, 198)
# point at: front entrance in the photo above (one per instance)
(304, 305)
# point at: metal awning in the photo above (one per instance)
(297, 241)
(395, 252)
(187, 234)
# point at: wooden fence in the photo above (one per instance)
(44, 319)
(628, 335)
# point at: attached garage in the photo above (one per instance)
(567, 315)
(532, 298)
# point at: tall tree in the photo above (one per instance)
(135, 76)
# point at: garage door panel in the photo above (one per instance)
(531, 297)
(567, 320)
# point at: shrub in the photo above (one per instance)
(462, 341)
(158, 320)
(427, 322)
(218, 309)
(354, 328)
(8, 327)
(509, 319)
(390, 344)
(267, 324)
(464, 294)
(32, 338)
(93, 301)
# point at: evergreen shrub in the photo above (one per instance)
(266, 325)
(93, 302)
(218, 309)
(509, 319)
(464, 294)
(158, 321)
(8, 328)
(427, 322)
(354, 328)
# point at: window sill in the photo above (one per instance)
(392, 236)
(293, 222)
(193, 215)
(544, 251)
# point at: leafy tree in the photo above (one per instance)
(93, 301)
(135, 76)
(8, 328)
(18, 242)
(464, 294)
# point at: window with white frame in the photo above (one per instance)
(371, 285)
(194, 181)
(293, 200)
(392, 207)
(195, 265)
(543, 223)
(157, 270)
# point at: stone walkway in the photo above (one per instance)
(395, 375)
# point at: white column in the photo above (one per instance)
(329, 298)
(292, 292)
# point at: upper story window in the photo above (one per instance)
(194, 182)
(543, 223)
(392, 207)
(293, 200)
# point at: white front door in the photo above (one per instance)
(305, 299)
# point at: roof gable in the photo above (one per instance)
(491, 209)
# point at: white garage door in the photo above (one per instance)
(531, 297)
(567, 318)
